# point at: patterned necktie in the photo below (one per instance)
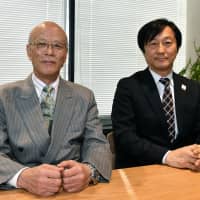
(47, 106)
(168, 108)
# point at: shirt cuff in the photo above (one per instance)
(164, 157)
(13, 180)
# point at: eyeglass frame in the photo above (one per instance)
(43, 45)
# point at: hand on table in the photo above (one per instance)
(185, 157)
(43, 180)
(75, 176)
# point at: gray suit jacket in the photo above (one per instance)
(76, 131)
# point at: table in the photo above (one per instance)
(153, 182)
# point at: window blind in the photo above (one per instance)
(106, 41)
(17, 18)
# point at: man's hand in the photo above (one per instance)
(196, 152)
(184, 157)
(43, 180)
(76, 176)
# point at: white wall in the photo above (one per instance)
(192, 27)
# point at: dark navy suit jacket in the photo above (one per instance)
(139, 124)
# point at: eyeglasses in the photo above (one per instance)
(44, 46)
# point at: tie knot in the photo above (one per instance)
(48, 89)
(165, 81)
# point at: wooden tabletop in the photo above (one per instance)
(153, 182)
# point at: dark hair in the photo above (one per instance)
(149, 31)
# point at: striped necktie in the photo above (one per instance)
(168, 107)
(47, 106)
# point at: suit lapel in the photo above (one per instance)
(62, 118)
(180, 91)
(30, 111)
(152, 95)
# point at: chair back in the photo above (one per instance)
(110, 138)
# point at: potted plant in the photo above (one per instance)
(192, 69)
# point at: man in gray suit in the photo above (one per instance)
(74, 152)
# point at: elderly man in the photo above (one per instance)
(50, 134)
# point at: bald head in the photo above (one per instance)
(45, 27)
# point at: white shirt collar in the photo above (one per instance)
(39, 85)
(157, 77)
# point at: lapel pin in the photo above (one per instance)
(183, 87)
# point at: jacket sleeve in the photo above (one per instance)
(96, 149)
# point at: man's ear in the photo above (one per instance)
(29, 51)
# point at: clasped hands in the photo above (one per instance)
(46, 179)
(185, 157)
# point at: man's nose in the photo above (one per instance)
(160, 47)
(50, 49)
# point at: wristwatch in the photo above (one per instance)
(94, 176)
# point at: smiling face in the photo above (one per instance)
(161, 52)
(47, 50)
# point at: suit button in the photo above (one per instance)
(21, 149)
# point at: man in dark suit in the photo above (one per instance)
(141, 127)
(62, 147)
